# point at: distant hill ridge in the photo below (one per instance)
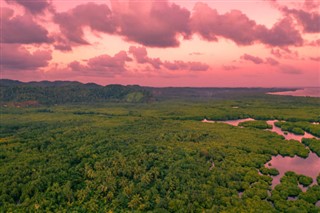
(59, 92)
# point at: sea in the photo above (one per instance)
(306, 92)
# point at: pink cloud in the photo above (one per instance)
(34, 6)
(315, 58)
(230, 67)
(190, 66)
(97, 17)
(310, 5)
(141, 56)
(283, 33)
(307, 16)
(21, 29)
(233, 25)
(161, 24)
(196, 53)
(103, 65)
(258, 60)
(61, 43)
(156, 24)
(315, 43)
(287, 69)
(16, 57)
(152, 23)
(309, 20)
(254, 59)
(284, 53)
(237, 27)
(271, 61)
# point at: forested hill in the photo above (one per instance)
(61, 92)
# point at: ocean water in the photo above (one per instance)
(307, 92)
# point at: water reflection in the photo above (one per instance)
(311, 92)
(230, 122)
(309, 166)
(236, 122)
(288, 135)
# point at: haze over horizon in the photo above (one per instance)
(267, 43)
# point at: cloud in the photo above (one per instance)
(315, 58)
(102, 65)
(196, 53)
(315, 43)
(309, 20)
(141, 56)
(151, 23)
(162, 24)
(21, 29)
(233, 25)
(181, 65)
(251, 58)
(237, 27)
(61, 43)
(16, 57)
(310, 5)
(154, 23)
(97, 17)
(284, 53)
(34, 6)
(307, 15)
(230, 67)
(283, 33)
(290, 70)
(271, 61)
(258, 60)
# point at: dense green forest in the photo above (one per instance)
(61, 92)
(153, 155)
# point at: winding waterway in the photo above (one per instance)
(309, 166)
(288, 135)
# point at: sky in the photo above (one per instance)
(216, 43)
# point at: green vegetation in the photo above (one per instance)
(156, 156)
(289, 188)
(269, 171)
(299, 127)
(313, 144)
(256, 124)
(60, 92)
(304, 180)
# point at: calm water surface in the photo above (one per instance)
(231, 122)
(309, 166)
(288, 135)
(311, 92)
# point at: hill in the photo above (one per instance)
(60, 92)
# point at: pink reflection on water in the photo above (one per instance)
(236, 122)
(230, 122)
(289, 135)
(311, 92)
(309, 166)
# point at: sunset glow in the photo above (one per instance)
(267, 43)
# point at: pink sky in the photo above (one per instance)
(265, 43)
